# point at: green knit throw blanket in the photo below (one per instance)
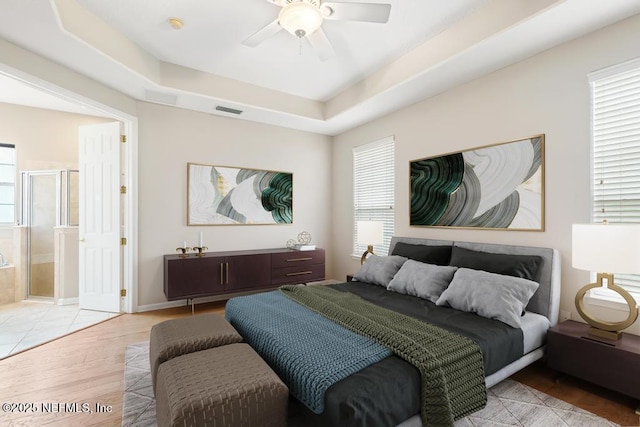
(450, 364)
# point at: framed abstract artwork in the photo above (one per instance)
(499, 186)
(221, 195)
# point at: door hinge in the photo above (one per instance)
(123, 189)
(123, 241)
(123, 292)
(123, 138)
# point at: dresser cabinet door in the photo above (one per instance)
(247, 272)
(193, 277)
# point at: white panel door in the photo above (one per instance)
(99, 213)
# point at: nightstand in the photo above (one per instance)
(613, 364)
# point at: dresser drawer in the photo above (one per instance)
(297, 258)
(297, 274)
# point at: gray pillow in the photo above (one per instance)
(438, 255)
(422, 280)
(490, 295)
(525, 266)
(379, 270)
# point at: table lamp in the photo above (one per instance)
(606, 249)
(369, 233)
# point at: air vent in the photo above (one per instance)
(228, 110)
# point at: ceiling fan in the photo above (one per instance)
(303, 18)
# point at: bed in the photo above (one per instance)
(377, 386)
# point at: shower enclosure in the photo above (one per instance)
(49, 207)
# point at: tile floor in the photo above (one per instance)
(27, 324)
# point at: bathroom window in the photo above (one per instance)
(7, 183)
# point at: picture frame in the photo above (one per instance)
(225, 195)
(498, 187)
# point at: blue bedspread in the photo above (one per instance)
(308, 352)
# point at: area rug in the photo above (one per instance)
(509, 403)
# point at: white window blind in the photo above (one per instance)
(374, 190)
(616, 150)
(7, 183)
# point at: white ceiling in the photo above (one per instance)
(427, 47)
(214, 30)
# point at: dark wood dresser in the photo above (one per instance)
(220, 273)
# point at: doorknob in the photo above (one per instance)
(82, 239)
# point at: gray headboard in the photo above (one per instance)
(546, 300)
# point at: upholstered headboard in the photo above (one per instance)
(546, 300)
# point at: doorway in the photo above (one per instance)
(127, 276)
(67, 318)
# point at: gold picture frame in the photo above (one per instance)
(224, 195)
(498, 187)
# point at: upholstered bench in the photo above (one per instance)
(176, 337)
(228, 386)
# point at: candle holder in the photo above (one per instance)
(184, 252)
(200, 250)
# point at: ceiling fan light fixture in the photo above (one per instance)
(300, 18)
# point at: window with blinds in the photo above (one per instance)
(615, 94)
(7, 183)
(374, 190)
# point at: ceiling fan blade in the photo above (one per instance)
(321, 44)
(367, 12)
(262, 34)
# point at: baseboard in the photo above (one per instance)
(67, 301)
(183, 302)
(161, 305)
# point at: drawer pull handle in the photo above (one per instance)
(221, 275)
(300, 273)
(299, 259)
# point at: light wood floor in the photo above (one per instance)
(87, 367)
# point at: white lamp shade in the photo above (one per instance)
(370, 232)
(300, 16)
(606, 248)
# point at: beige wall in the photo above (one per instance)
(169, 138)
(44, 139)
(548, 94)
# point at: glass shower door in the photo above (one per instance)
(43, 211)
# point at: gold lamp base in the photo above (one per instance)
(601, 333)
(367, 252)
(601, 328)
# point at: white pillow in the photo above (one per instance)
(419, 279)
(490, 295)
